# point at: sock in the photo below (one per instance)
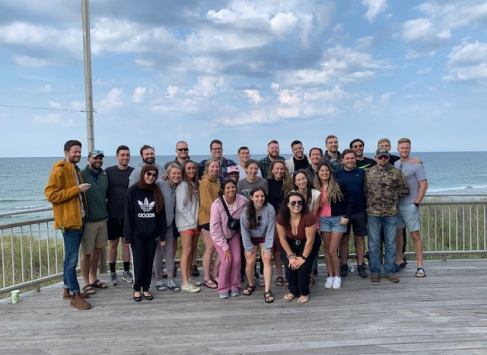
(112, 267)
(126, 265)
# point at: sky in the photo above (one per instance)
(244, 72)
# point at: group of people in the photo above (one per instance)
(284, 208)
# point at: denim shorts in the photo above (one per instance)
(332, 224)
(409, 216)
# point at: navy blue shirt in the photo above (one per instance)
(354, 183)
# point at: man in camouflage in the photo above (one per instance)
(383, 186)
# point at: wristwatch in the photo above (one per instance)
(303, 257)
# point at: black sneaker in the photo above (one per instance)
(344, 270)
(361, 272)
(194, 271)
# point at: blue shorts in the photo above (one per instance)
(332, 224)
(409, 216)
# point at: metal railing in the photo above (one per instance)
(32, 252)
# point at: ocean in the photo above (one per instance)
(22, 180)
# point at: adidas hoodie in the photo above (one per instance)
(141, 219)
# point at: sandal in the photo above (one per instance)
(420, 273)
(210, 284)
(268, 297)
(279, 281)
(99, 284)
(303, 299)
(248, 290)
(289, 297)
(89, 290)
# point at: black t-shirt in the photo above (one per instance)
(393, 159)
(300, 164)
(276, 195)
(365, 164)
(118, 184)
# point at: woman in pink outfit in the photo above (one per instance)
(226, 240)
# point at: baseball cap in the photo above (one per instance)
(232, 169)
(96, 153)
(381, 151)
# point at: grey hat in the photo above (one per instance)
(381, 151)
(96, 153)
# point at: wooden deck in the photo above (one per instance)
(445, 313)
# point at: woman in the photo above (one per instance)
(187, 205)
(258, 223)
(226, 240)
(312, 199)
(279, 183)
(336, 207)
(209, 189)
(167, 184)
(244, 186)
(296, 227)
(144, 226)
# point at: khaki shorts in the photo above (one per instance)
(95, 236)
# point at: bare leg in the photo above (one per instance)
(418, 247)
(399, 245)
(266, 258)
(112, 251)
(186, 254)
(85, 263)
(250, 266)
(95, 257)
(207, 256)
(344, 243)
(360, 246)
(125, 252)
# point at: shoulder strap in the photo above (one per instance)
(226, 208)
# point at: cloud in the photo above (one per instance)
(253, 95)
(138, 95)
(468, 63)
(112, 101)
(172, 90)
(375, 7)
(54, 120)
(54, 104)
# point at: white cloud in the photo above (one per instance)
(54, 120)
(253, 96)
(172, 90)
(28, 61)
(54, 104)
(206, 86)
(468, 62)
(283, 23)
(375, 7)
(138, 95)
(112, 101)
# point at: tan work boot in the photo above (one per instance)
(79, 303)
(67, 295)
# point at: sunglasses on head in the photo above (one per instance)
(151, 174)
(299, 203)
(381, 157)
(183, 149)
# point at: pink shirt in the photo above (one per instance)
(325, 210)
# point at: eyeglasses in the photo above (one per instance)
(151, 174)
(358, 146)
(183, 149)
(299, 203)
(383, 157)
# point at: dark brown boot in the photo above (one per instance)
(79, 303)
(67, 295)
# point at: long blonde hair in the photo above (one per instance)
(333, 192)
(287, 181)
(193, 184)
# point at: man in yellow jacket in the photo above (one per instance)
(66, 191)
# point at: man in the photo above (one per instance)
(148, 156)
(216, 150)
(182, 154)
(332, 156)
(353, 180)
(273, 155)
(315, 155)
(409, 206)
(118, 183)
(362, 162)
(244, 156)
(383, 186)
(66, 191)
(299, 160)
(95, 235)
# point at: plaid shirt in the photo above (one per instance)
(223, 171)
(265, 165)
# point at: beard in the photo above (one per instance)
(149, 160)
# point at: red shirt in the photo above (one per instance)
(308, 220)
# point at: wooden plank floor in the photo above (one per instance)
(445, 313)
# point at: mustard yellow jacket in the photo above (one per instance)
(209, 191)
(63, 192)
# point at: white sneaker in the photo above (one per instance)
(191, 280)
(329, 282)
(337, 282)
(189, 287)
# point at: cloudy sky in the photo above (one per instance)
(244, 72)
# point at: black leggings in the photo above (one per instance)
(143, 251)
(299, 279)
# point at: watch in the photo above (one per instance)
(416, 204)
(303, 257)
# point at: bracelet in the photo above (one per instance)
(291, 256)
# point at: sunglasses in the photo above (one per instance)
(358, 146)
(183, 149)
(151, 174)
(294, 203)
(383, 157)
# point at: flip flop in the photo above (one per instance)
(88, 290)
(210, 284)
(99, 284)
(420, 273)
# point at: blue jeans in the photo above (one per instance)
(72, 241)
(374, 225)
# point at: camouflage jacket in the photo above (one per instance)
(382, 190)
